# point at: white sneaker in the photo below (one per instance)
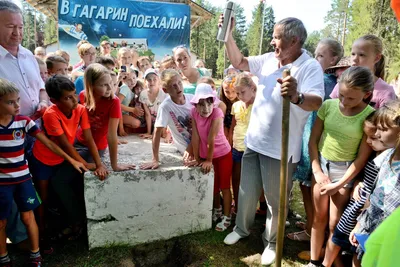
(268, 256)
(232, 238)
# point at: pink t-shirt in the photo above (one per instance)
(221, 144)
(383, 93)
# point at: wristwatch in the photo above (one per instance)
(300, 99)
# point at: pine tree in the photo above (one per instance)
(239, 33)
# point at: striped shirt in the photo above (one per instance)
(348, 220)
(13, 164)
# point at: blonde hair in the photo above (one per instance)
(360, 78)
(168, 62)
(40, 62)
(123, 50)
(388, 116)
(166, 77)
(63, 54)
(92, 73)
(143, 58)
(84, 48)
(244, 80)
(207, 80)
(335, 48)
(7, 87)
(377, 44)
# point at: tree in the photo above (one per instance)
(312, 41)
(337, 19)
(239, 33)
(254, 31)
(220, 62)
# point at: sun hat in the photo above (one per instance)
(203, 91)
(344, 62)
(150, 71)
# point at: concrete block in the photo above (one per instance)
(137, 206)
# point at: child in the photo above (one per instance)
(335, 161)
(327, 53)
(168, 63)
(124, 57)
(143, 64)
(126, 95)
(173, 112)
(210, 81)
(16, 183)
(241, 111)
(228, 96)
(212, 149)
(107, 62)
(60, 122)
(385, 198)
(367, 52)
(361, 192)
(43, 69)
(104, 114)
(56, 65)
(63, 54)
(151, 98)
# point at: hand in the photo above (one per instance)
(101, 172)
(122, 132)
(206, 166)
(321, 178)
(138, 111)
(146, 136)
(90, 166)
(352, 238)
(150, 165)
(289, 88)
(122, 142)
(121, 75)
(221, 21)
(124, 167)
(329, 189)
(43, 105)
(79, 166)
(356, 191)
(187, 156)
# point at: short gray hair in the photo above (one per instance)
(6, 5)
(293, 27)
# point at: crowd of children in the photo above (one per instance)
(349, 156)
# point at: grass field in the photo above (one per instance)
(200, 249)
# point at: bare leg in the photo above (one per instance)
(42, 187)
(3, 238)
(227, 195)
(130, 121)
(320, 220)
(308, 207)
(28, 218)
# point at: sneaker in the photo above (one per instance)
(232, 238)
(268, 256)
(35, 262)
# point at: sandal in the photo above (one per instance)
(224, 224)
(301, 225)
(217, 214)
(302, 236)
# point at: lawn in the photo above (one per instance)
(200, 249)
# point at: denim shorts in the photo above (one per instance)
(342, 240)
(335, 170)
(237, 155)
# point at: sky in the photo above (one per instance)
(311, 12)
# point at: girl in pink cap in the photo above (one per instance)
(212, 149)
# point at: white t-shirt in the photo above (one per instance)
(178, 119)
(153, 106)
(264, 134)
(128, 94)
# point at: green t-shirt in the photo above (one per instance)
(342, 134)
(382, 247)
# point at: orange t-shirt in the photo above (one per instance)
(55, 123)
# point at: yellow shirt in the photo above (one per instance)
(342, 134)
(242, 117)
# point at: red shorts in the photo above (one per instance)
(222, 172)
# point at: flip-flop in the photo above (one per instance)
(302, 236)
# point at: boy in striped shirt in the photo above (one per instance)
(15, 178)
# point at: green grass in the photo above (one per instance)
(200, 249)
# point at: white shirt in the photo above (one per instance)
(264, 134)
(24, 72)
(153, 107)
(178, 119)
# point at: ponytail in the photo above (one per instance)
(380, 68)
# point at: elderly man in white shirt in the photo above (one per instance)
(261, 160)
